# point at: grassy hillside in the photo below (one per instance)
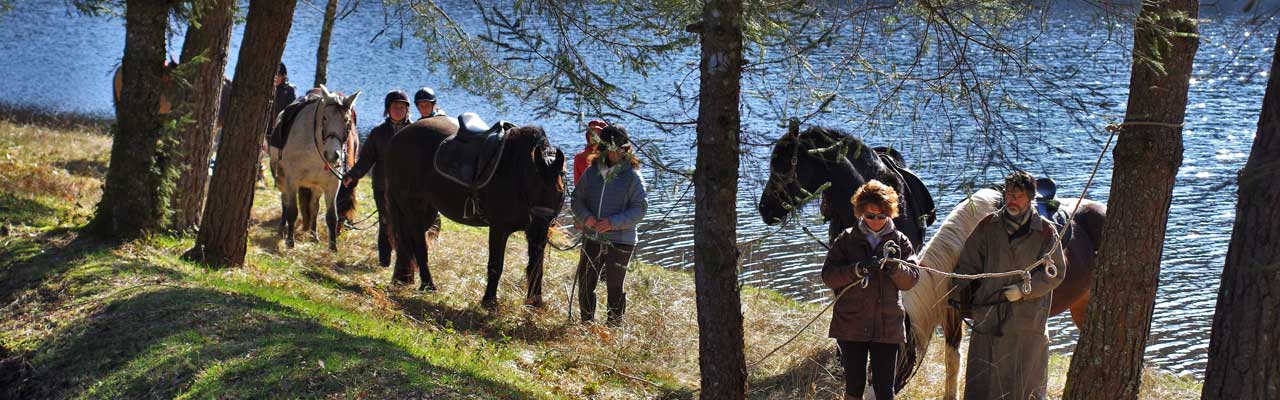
(81, 319)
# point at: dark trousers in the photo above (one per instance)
(384, 234)
(884, 367)
(611, 259)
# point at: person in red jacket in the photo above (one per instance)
(583, 160)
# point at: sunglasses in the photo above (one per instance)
(875, 216)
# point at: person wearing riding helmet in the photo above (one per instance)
(425, 99)
(582, 160)
(396, 108)
(608, 202)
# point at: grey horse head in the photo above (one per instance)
(334, 118)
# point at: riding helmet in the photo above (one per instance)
(394, 96)
(424, 94)
(615, 135)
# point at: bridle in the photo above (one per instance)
(320, 120)
(781, 188)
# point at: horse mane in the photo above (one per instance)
(926, 302)
(862, 157)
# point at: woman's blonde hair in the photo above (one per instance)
(876, 193)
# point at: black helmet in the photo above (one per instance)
(424, 94)
(615, 135)
(392, 97)
(282, 71)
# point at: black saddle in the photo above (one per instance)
(471, 156)
(915, 187)
(283, 123)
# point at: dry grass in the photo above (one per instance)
(530, 352)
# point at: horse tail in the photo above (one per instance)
(346, 202)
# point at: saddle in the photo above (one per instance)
(915, 188)
(472, 155)
(283, 123)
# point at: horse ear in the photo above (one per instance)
(558, 163)
(793, 127)
(351, 100)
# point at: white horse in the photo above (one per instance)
(322, 141)
(926, 302)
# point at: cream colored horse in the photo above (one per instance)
(321, 144)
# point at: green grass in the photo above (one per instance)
(81, 319)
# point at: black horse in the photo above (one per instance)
(803, 162)
(525, 194)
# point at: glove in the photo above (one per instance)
(892, 248)
(871, 264)
(1013, 293)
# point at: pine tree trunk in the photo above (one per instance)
(135, 196)
(322, 53)
(1244, 351)
(1108, 359)
(210, 40)
(224, 233)
(720, 346)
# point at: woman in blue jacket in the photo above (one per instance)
(608, 203)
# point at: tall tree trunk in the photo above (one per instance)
(720, 353)
(224, 234)
(135, 196)
(1244, 351)
(322, 53)
(1108, 359)
(209, 40)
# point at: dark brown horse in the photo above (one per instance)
(804, 162)
(525, 193)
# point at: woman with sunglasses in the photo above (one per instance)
(869, 318)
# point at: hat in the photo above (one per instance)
(615, 135)
(1046, 189)
(392, 97)
(595, 123)
(424, 94)
(282, 71)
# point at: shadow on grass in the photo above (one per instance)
(486, 324)
(96, 169)
(203, 343)
(819, 376)
(24, 210)
(327, 280)
(27, 264)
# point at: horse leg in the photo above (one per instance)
(312, 213)
(331, 218)
(289, 203)
(304, 208)
(536, 236)
(952, 332)
(497, 251)
(418, 241)
(403, 221)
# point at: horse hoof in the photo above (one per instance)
(427, 287)
(489, 304)
(288, 243)
(535, 302)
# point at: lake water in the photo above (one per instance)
(60, 61)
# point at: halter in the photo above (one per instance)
(320, 119)
(779, 187)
